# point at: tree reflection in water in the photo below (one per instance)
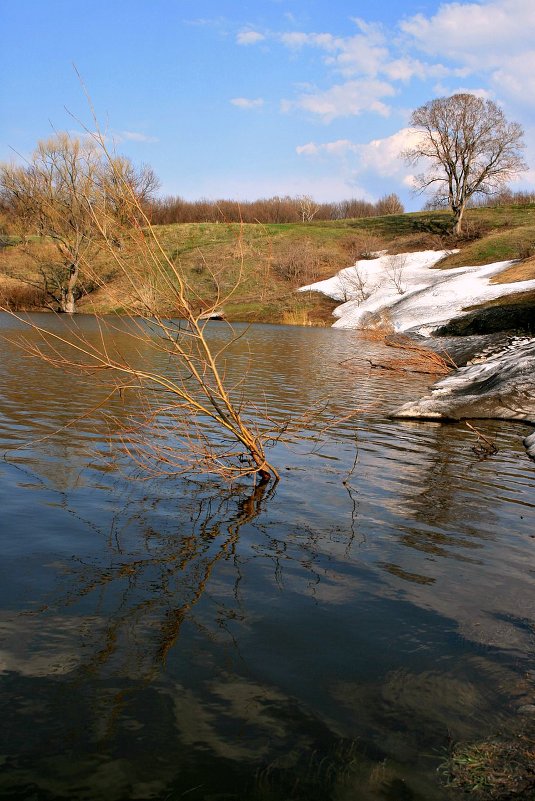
(145, 594)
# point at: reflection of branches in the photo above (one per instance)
(160, 587)
(353, 496)
(248, 509)
(484, 447)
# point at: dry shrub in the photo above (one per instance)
(21, 297)
(302, 262)
(472, 230)
(363, 246)
(526, 250)
(376, 326)
(420, 241)
(296, 317)
(415, 357)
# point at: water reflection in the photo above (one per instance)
(165, 639)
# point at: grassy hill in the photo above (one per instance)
(255, 269)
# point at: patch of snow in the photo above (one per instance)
(413, 295)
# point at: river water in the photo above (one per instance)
(328, 639)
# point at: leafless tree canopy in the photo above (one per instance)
(68, 194)
(469, 148)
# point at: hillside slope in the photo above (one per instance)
(253, 270)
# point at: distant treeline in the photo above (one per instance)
(504, 198)
(167, 210)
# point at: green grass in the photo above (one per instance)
(513, 243)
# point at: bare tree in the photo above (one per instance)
(353, 283)
(395, 269)
(308, 207)
(66, 194)
(469, 149)
(186, 418)
(389, 204)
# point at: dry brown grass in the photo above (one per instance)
(297, 317)
(521, 271)
(301, 261)
(361, 246)
(498, 770)
(23, 260)
(18, 296)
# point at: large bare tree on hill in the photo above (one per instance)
(468, 147)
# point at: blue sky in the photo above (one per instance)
(250, 99)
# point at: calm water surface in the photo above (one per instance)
(168, 639)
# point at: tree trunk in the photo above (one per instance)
(68, 305)
(457, 220)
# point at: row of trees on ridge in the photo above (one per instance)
(278, 209)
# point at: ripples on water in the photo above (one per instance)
(166, 639)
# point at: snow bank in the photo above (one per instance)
(500, 388)
(413, 295)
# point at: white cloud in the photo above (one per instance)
(492, 38)
(247, 103)
(340, 147)
(367, 53)
(296, 39)
(134, 136)
(361, 54)
(496, 38)
(517, 77)
(405, 68)
(484, 94)
(344, 100)
(113, 137)
(381, 157)
(311, 149)
(249, 37)
(471, 31)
